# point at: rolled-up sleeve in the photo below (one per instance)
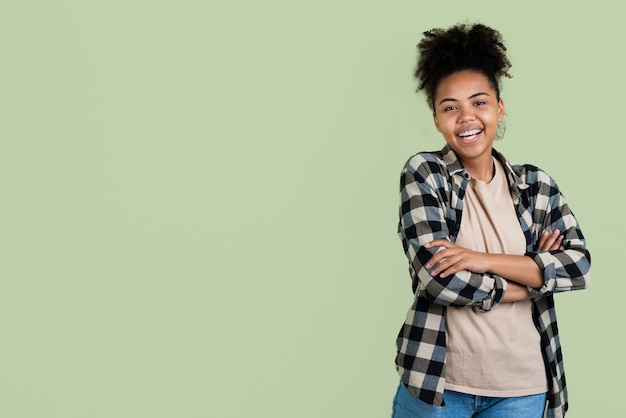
(426, 214)
(568, 268)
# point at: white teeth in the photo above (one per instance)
(470, 133)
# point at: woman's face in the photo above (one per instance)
(467, 112)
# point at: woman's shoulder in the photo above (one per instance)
(531, 174)
(426, 162)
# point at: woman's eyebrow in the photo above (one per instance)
(450, 99)
(478, 94)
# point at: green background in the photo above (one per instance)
(199, 199)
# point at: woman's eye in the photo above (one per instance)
(448, 108)
(480, 103)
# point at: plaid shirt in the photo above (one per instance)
(432, 189)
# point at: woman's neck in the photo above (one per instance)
(483, 171)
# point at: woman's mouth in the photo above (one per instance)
(469, 136)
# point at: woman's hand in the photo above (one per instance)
(550, 241)
(454, 258)
(521, 269)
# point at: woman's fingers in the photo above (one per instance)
(550, 241)
(453, 258)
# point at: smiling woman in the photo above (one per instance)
(467, 113)
(488, 245)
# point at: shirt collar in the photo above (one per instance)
(451, 160)
(455, 167)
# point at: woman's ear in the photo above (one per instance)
(500, 110)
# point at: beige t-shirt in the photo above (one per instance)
(495, 353)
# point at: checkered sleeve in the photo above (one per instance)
(567, 269)
(429, 209)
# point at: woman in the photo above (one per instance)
(488, 245)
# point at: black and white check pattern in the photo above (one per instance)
(432, 188)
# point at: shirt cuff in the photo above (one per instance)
(545, 263)
(495, 296)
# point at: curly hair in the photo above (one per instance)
(462, 47)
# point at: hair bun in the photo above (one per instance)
(461, 47)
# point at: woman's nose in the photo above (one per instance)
(466, 114)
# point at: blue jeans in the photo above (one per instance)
(461, 405)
